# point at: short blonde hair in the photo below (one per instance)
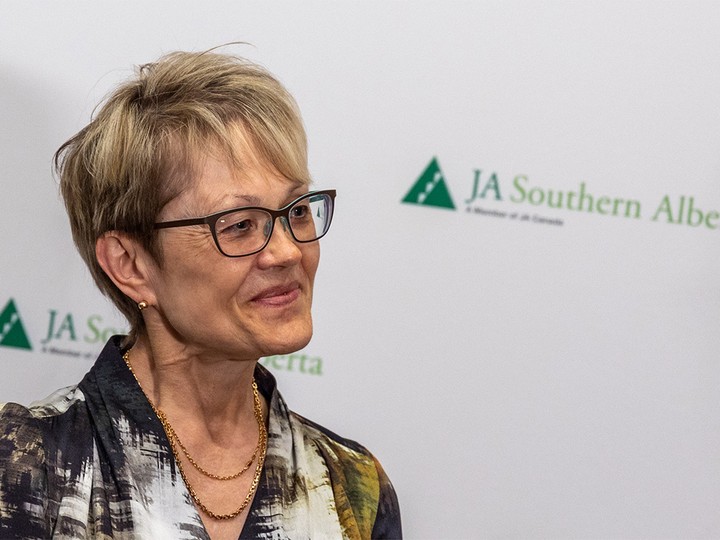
(143, 144)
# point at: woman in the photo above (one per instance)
(188, 200)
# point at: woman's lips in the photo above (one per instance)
(278, 296)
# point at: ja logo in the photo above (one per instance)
(430, 188)
(12, 331)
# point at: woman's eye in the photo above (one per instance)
(300, 211)
(242, 225)
(238, 227)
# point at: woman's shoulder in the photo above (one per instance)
(26, 432)
(358, 480)
(21, 436)
(15, 417)
(315, 431)
(23, 474)
(354, 458)
(32, 441)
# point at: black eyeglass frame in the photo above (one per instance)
(283, 212)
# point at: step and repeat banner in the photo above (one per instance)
(517, 308)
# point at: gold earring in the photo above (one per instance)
(142, 305)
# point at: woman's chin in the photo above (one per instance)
(286, 342)
(286, 348)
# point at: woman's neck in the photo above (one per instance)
(199, 390)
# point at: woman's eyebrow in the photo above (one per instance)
(235, 200)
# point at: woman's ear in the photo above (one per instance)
(127, 264)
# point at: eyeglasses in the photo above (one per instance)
(245, 231)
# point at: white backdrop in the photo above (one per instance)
(521, 371)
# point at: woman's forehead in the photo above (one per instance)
(271, 194)
(218, 186)
(219, 175)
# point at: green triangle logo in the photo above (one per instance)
(12, 331)
(430, 189)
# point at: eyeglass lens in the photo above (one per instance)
(245, 231)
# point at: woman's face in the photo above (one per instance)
(244, 307)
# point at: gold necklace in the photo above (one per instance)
(259, 452)
(261, 427)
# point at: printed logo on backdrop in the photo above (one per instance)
(430, 189)
(71, 335)
(518, 198)
(68, 334)
(12, 330)
(295, 363)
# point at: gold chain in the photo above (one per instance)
(259, 452)
(258, 417)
